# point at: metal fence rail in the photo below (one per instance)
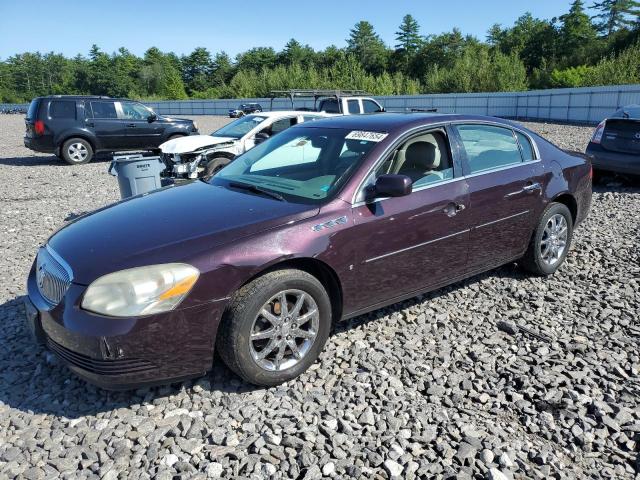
(586, 105)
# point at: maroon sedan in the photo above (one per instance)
(325, 221)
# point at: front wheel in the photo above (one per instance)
(275, 327)
(550, 242)
(215, 165)
(76, 151)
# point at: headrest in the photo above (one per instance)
(422, 155)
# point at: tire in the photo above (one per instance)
(244, 317)
(215, 165)
(547, 250)
(77, 151)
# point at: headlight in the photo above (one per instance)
(195, 125)
(140, 291)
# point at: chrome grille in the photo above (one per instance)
(53, 275)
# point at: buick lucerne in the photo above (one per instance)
(325, 221)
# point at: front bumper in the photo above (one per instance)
(602, 159)
(124, 353)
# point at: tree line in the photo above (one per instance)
(575, 49)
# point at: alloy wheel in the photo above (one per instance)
(284, 330)
(78, 152)
(554, 239)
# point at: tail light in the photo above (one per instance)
(39, 127)
(590, 172)
(597, 135)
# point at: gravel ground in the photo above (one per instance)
(501, 376)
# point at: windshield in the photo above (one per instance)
(239, 128)
(302, 164)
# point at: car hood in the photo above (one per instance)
(177, 120)
(175, 224)
(191, 143)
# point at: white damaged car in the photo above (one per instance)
(197, 156)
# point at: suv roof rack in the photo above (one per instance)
(79, 96)
(314, 93)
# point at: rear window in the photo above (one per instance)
(330, 106)
(62, 109)
(104, 110)
(525, 146)
(33, 109)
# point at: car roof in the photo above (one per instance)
(85, 97)
(388, 122)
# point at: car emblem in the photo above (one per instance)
(330, 224)
(638, 135)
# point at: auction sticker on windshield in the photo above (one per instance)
(368, 136)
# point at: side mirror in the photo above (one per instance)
(392, 186)
(152, 118)
(261, 137)
(381, 110)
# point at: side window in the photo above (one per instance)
(135, 111)
(425, 158)
(353, 106)
(526, 147)
(281, 125)
(62, 109)
(330, 105)
(103, 110)
(370, 106)
(489, 147)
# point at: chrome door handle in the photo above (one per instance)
(532, 187)
(453, 208)
(131, 125)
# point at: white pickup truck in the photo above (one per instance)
(342, 102)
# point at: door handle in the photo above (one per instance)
(453, 208)
(528, 188)
(131, 125)
(532, 187)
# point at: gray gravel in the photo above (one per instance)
(501, 376)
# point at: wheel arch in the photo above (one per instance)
(320, 270)
(82, 135)
(570, 202)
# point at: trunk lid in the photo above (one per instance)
(622, 135)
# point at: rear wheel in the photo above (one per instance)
(76, 151)
(550, 242)
(275, 327)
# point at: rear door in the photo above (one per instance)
(139, 131)
(622, 135)
(108, 128)
(504, 192)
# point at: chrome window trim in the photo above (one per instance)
(358, 203)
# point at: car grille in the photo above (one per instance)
(53, 275)
(100, 367)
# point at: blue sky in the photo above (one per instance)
(70, 27)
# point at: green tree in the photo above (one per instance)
(578, 37)
(367, 47)
(409, 41)
(197, 68)
(616, 14)
(256, 59)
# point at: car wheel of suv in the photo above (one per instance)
(76, 151)
(216, 164)
(550, 242)
(275, 327)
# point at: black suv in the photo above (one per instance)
(75, 127)
(245, 109)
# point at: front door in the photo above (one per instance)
(418, 241)
(504, 193)
(140, 132)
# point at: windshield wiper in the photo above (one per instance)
(256, 189)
